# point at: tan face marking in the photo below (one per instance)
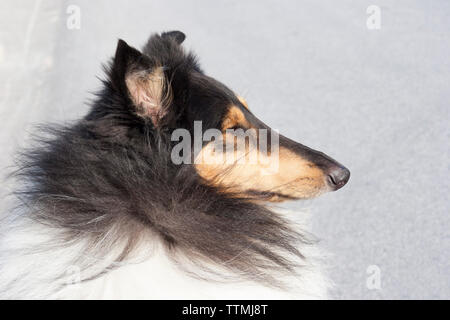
(242, 100)
(235, 118)
(295, 177)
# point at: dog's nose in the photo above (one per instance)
(338, 176)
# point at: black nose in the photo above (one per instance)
(338, 177)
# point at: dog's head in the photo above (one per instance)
(164, 88)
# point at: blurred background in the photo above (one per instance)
(373, 95)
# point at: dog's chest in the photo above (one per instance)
(155, 276)
(159, 278)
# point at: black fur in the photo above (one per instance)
(112, 171)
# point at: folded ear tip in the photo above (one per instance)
(124, 56)
(121, 44)
(176, 35)
(124, 51)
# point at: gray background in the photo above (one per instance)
(376, 100)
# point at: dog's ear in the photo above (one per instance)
(143, 81)
(124, 58)
(176, 36)
(150, 94)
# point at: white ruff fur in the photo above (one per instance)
(28, 270)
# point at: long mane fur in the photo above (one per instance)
(109, 181)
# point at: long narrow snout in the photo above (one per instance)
(296, 171)
(335, 175)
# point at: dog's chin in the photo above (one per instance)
(273, 196)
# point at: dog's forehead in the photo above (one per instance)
(211, 102)
(208, 86)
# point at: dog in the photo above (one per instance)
(116, 206)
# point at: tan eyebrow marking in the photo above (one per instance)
(233, 118)
(242, 100)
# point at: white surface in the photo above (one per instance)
(377, 101)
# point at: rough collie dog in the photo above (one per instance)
(113, 207)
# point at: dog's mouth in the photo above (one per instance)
(270, 196)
